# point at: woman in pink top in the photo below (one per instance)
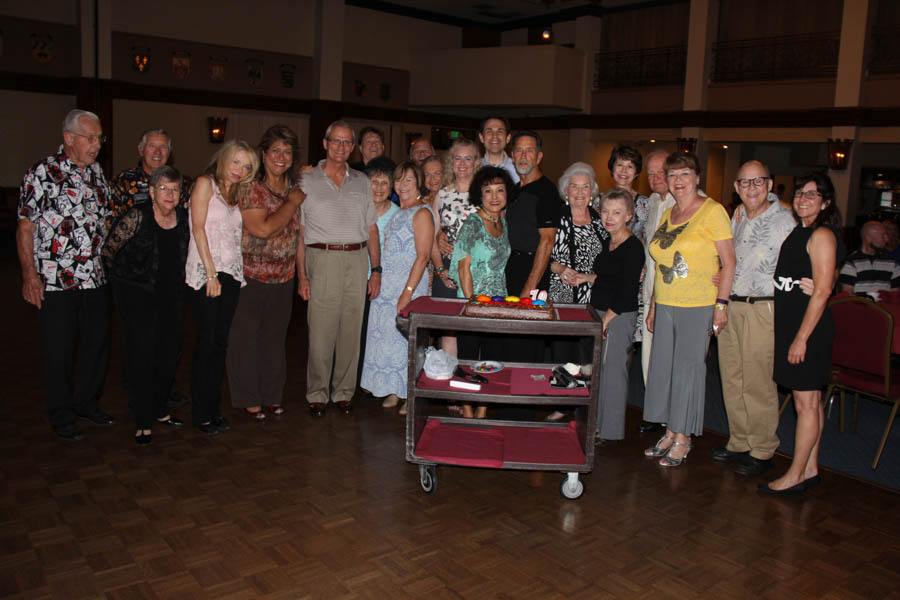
(215, 271)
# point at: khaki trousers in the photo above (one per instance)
(746, 354)
(337, 282)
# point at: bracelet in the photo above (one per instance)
(722, 301)
(440, 270)
(720, 306)
(376, 269)
(409, 289)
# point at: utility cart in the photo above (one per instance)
(433, 437)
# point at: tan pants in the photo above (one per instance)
(746, 353)
(337, 282)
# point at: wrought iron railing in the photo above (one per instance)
(885, 50)
(640, 68)
(805, 56)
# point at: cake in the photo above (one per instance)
(510, 307)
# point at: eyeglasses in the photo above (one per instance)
(166, 189)
(756, 181)
(91, 138)
(344, 143)
(679, 174)
(809, 195)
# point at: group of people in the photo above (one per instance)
(365, 239)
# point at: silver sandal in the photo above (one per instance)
(657, 450)
(669, 461)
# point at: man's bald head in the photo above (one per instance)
(753, 165)
(753, 184)
(873, 237)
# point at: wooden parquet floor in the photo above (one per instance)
(302, 508)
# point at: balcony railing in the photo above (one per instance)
(640, 68)
(885, 54)
(806, 56)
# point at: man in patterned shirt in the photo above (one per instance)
(131, 187)
(63, 204)
(747, 346)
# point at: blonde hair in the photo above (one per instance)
(220, 161)
(449, 177)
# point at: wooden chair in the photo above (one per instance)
(861, 358)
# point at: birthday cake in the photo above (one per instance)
(537, 308)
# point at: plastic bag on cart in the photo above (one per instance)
(439, 364)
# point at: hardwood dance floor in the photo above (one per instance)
(328, 508)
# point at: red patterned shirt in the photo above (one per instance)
(272, 260)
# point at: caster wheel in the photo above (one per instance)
(571, 491)
(428, 478)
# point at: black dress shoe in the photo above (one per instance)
(752, 467)
(177, 398)
(98, 417)
(171, 422)
(208, 428)
(220, 423)
(724, 454)
(794, 489)
(344, 406)
(648, 427)
(68, 432)
(317, 409)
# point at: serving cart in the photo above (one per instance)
(435, 438)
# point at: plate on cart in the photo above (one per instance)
(487, 366)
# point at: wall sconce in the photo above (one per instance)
(217, 129)
(838, 153)
(547, 35)
(686, 144)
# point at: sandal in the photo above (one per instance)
(256, 415)
(670, 461)
(276, 409)
(658, 450)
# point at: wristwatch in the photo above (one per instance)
(376, 269)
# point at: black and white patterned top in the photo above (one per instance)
(588, 243)
(68, 206)
(453, 208)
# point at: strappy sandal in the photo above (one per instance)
(276, 409)
(256, 415)
(669, 461)
(658, 450)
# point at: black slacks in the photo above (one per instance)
(212, 323)
(152, 329)
(70, 322)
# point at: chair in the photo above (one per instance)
(861, 358)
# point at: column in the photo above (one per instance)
(703, 31)
(328, 70)
(587, 39)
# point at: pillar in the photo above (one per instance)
(587, 39)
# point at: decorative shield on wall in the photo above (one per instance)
(254, 71)
(288, 72)
(218, 68)
(140, 59)
(181, 64)
(42, 47)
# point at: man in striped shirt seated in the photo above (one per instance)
(870, 268)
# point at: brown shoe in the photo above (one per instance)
(317, 409)
(345, 407)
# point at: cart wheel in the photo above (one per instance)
(570, 488)
(428, 478)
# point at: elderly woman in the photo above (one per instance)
(452, 206)
(144, 256)
(408, 240)
(693, 238)
(215, 273)
(804, 327)
(257, 368)
(478, 264)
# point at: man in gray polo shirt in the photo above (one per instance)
(338, 227)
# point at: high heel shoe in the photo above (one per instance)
(670, 461)
(143, 438)
(658, 450)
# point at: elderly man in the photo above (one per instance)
(494, 135)
(371, 145)
(338, 227)
(746, 346)
(63, 204)
(131, 187)
(419, 150)
(871, 268)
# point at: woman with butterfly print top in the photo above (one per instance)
(693, 238)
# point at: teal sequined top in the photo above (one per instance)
(489, 255)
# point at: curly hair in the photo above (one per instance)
(485, 177)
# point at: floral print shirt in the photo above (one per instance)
(272, 260)
(68, 206)
(453, 208)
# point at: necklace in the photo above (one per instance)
(493, 220)
(279, 194)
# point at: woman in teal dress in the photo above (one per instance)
(478, 264)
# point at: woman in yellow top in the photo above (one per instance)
(693, 239)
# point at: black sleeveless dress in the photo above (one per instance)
(790, 306)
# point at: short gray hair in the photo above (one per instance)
(166, 173)
(70, 123)
(144, 135)
(578, 168)
(343, 124)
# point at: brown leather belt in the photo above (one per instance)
(346, 247)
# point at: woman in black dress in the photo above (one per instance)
(804, 328)
(144, 256)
